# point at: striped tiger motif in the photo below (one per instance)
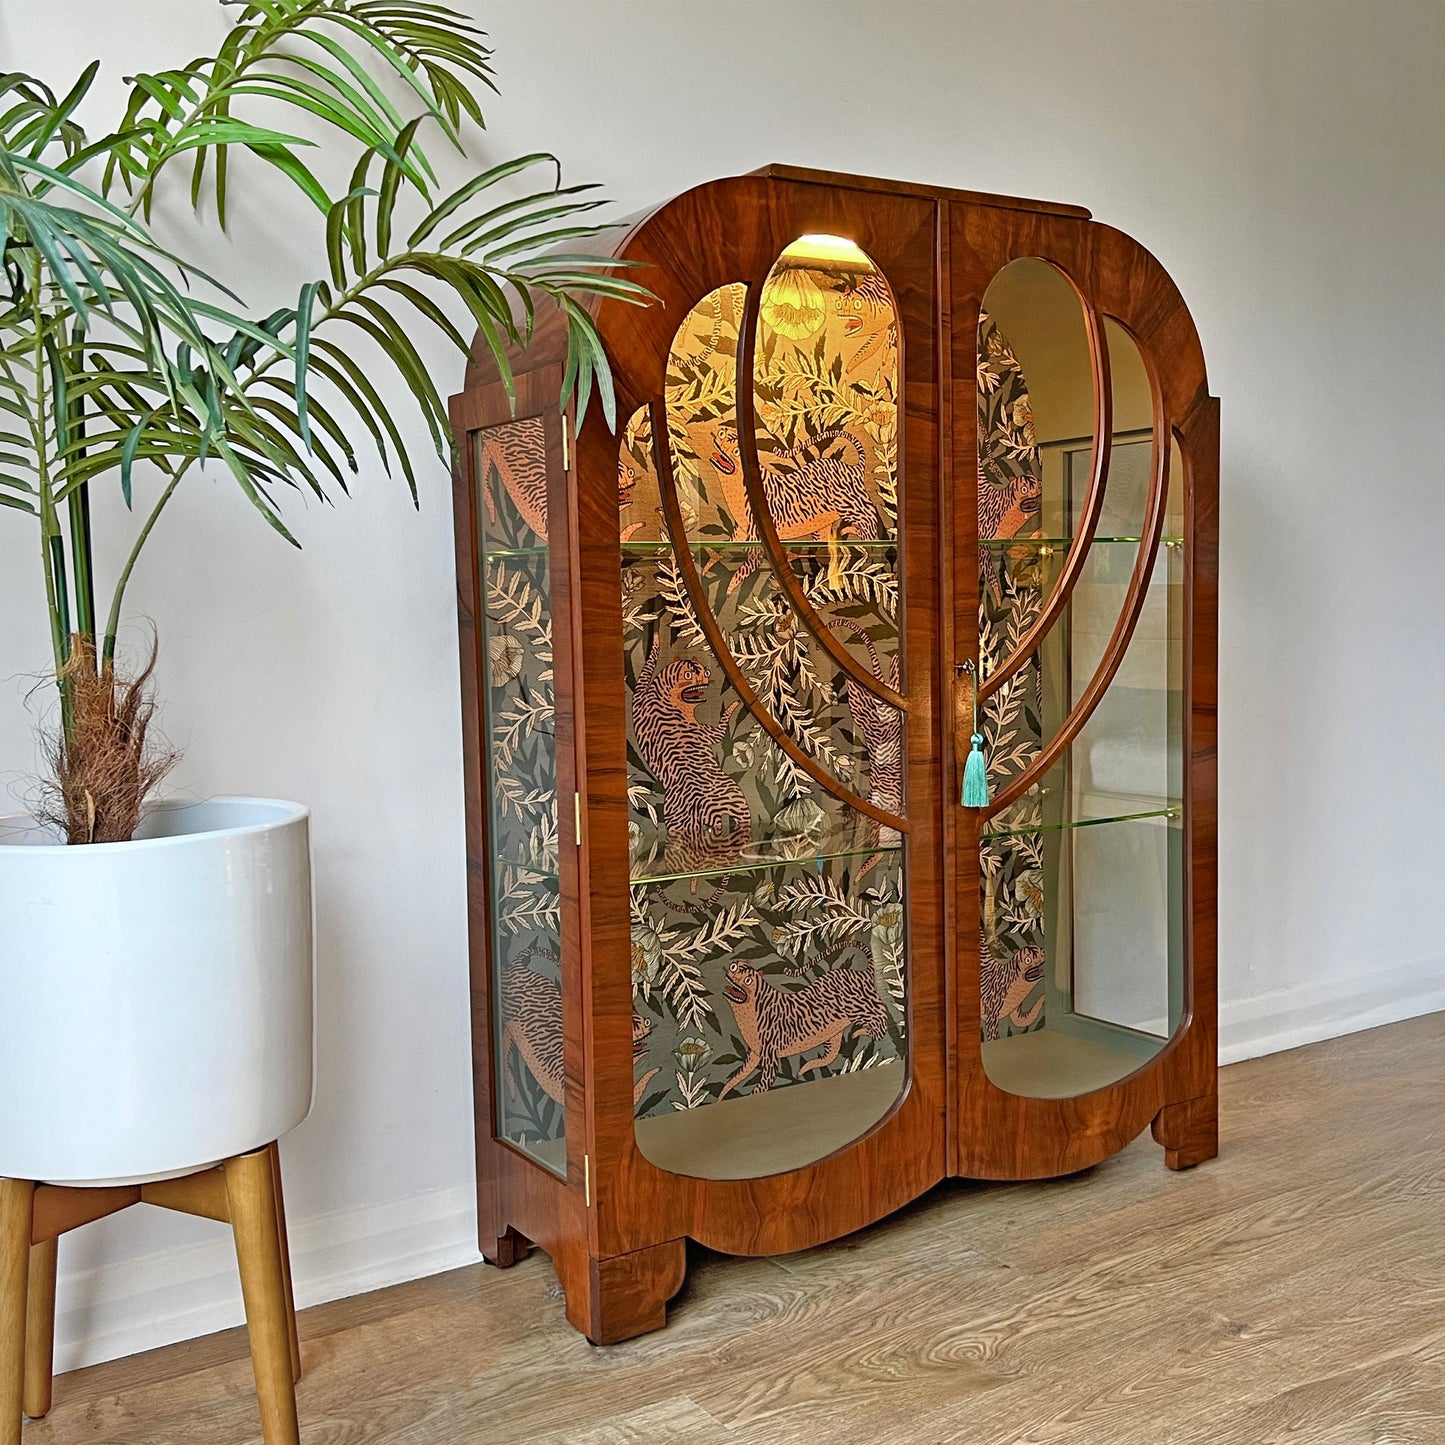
(1005, 509)
(641, 1033)
(865, 300)
(516, 455)
(778, 1023)
(532, 1026)
(704, 811)
(822, 500)
(1006, 984)
(880, 725)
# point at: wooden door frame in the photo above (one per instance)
(999, 1135)
(725, 232)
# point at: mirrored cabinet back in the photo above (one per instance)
(900, 475)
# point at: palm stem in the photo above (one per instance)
(78, 506)
(81, 562)
(112, 623)
(51, 542)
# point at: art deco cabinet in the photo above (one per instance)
(745, 969)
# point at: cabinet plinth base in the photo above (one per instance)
(506, 1249)
(1189, 1131)
(616, 1299)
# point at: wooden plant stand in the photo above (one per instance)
(244, 1192)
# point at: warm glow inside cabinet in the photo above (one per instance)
(745, 970)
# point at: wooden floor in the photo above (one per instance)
(1291, 1291)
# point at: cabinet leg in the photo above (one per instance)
(617, 1299)
(17, 1201)
(506, 1249)
(1189, 1131)
(251, 1197)
(40, 1329)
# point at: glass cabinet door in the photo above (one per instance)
(509, 468)
(1081, 926)
(766, 729)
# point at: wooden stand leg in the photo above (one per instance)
(620, 1298)
(295, 1339)
(1189, 1131)
(17, 1201)
(251, 1194)
(40, 1329)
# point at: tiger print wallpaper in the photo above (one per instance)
(765, 908)
(511, 479)
(763, 905)
(1011, 590)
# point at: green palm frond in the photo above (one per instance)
(34, 119)
(311, 55)
(115, 351)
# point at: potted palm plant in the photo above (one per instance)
(155, 959)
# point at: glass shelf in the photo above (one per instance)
(546, 870)
(746, 862)
(806, 832)
(752, 863)
(1050, 1063)
(1091, 810)
(754, 1135)
(1064, 543)
(727, 544)
(499, 554)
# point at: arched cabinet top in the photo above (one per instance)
(733, 228)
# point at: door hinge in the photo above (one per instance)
(577, 816)
(587, 1179)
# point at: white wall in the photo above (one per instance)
(1287, 164)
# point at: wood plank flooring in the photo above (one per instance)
(1291, 1291)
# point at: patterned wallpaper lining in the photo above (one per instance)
(1011, 593)
(763, 908)
(811, 947)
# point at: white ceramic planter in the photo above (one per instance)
(156, 995)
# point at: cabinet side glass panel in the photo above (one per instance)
(1081, 932)
(520, 769)
(768, 970)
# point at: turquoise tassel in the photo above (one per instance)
(975, 770)
(975, 775)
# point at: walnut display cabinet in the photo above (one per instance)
(893, 466)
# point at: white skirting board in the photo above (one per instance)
(1308, 1012)
(138, 1304)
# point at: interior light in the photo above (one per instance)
(827, 248)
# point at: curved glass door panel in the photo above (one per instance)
(1081, 911)
(1035, 390)
(702, 420)
(1083, 876)
(852, 586)
(520, 759)
(1025, 707)
(825, 400)
(768, 968)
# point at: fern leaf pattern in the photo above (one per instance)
(813, 887)
(1010, 598)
